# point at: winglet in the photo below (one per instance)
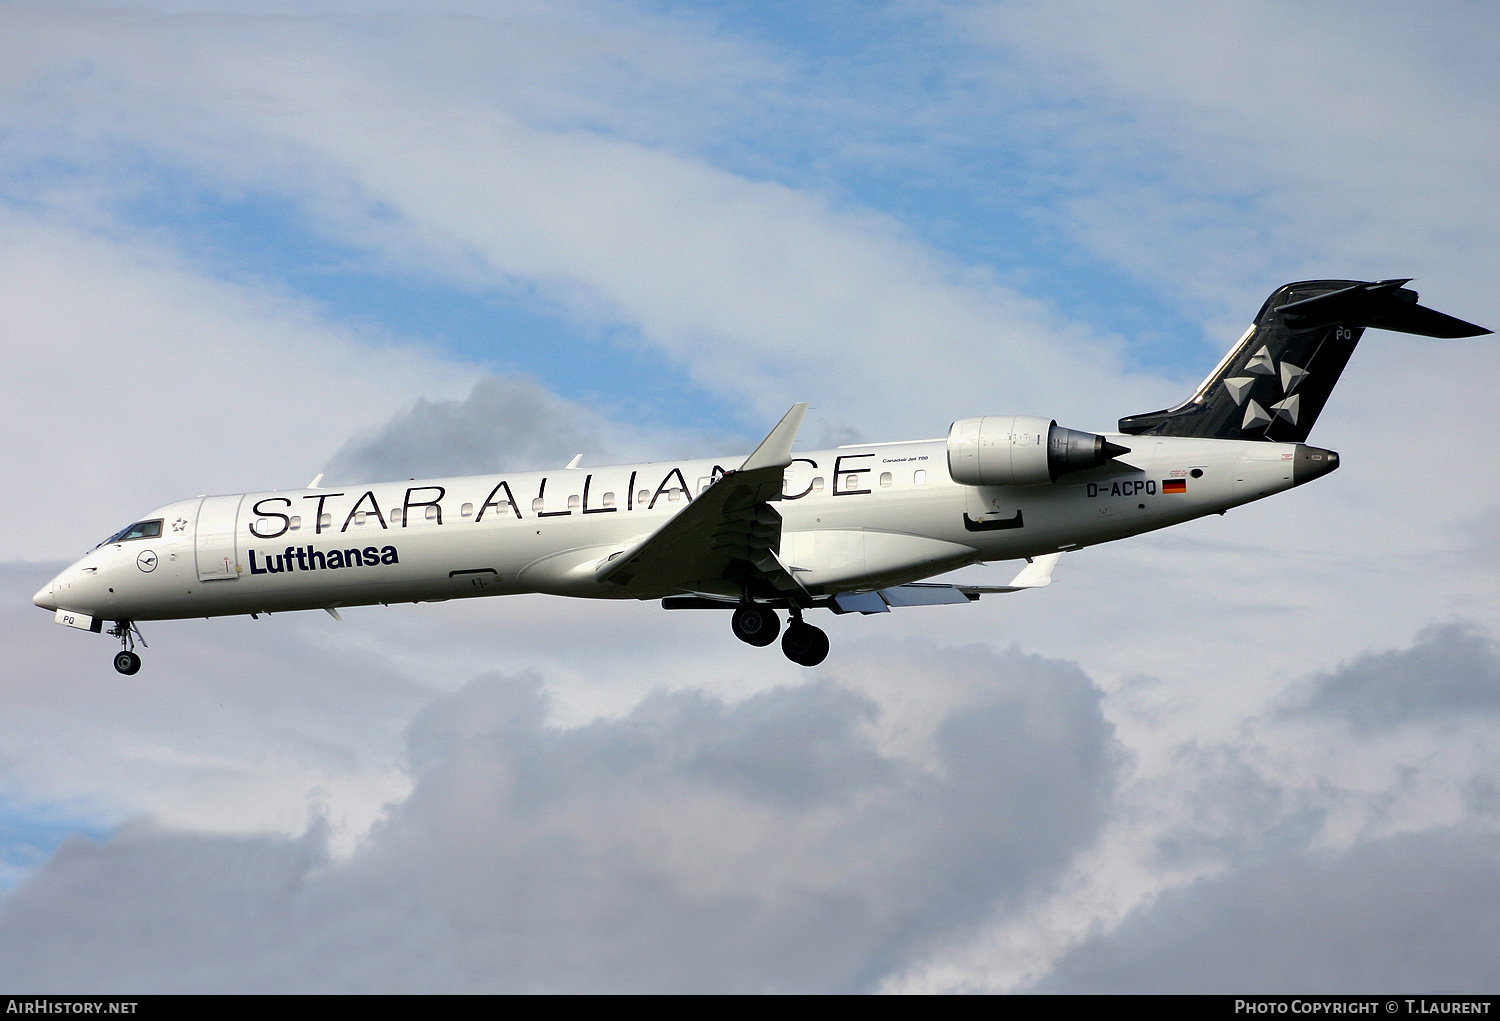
(1037, 574)
(573, 463)
(317, 480)
(775, 451)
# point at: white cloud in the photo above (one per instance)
(764, 293)
(134, 380)
(1222, 149)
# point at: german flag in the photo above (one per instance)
(1174, 485)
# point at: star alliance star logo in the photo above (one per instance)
(1262, 364)
(179, 525)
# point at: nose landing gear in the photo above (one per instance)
(802, 643)
(126, 660)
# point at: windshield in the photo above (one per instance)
(139, 530)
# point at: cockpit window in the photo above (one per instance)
(139, 530)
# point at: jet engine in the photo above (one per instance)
(1021, 450)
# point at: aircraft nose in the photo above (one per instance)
(43, 597)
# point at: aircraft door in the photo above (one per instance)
(215, 538)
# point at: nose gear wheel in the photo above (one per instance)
(126, 660)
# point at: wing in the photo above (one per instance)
(727, 536)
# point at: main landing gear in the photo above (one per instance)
(755, 625)
(802, 643)
(126, 661)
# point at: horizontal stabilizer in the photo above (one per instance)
(1382, 305)
(1427, 322)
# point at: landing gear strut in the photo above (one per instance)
(126, 661)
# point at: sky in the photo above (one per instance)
(245, 243)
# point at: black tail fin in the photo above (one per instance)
(1273, 384)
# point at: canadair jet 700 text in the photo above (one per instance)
(854, 529)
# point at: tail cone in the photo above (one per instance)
(1312, 463)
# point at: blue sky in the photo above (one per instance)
(238, 241)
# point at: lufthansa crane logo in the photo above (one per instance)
(146, 561)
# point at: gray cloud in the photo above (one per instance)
(512, 424)
(1453, 671)
(691, 845)
(1411, 913)
(502, 425)
(1231, 810)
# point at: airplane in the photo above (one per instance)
(855, 529)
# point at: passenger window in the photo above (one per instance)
(674, 494)
(395, 515)
(536, 505)
(572, 503)
(608, 500)
(264, 526)
(818, 484)
(885, 480)
(296, 522)
(704, 484)
(643, 497)
(432, 512)
(325, 521)
(467, 510)
(919, 478)
(359, 517)
(851, 481)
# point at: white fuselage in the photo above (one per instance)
(856, 518)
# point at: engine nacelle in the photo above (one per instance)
(1021, 450)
